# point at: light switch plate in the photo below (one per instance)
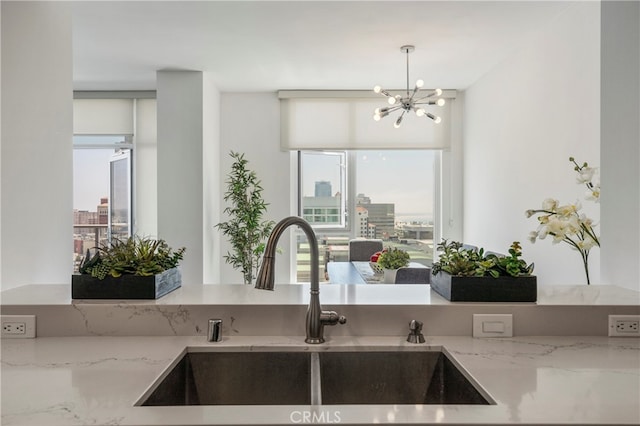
(492, 325)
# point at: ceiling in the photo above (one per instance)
(268, 46)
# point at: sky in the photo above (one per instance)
(90, 177)
(405, 178)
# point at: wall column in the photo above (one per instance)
(620, 143)
(185, 133)
(36, 152)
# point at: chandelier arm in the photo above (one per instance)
(394, 108)
(433, 102)
(430, 95)
(407, 72)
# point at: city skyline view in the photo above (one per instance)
(385, 177)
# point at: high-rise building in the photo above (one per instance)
(323, 189)
(321, 210)
(381, 216)
(103, 211)
(364, 229)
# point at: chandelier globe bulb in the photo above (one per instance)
(419, 84)
(377, 89)
(440, 102)
(420, 112)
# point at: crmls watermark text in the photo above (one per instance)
(315, 417)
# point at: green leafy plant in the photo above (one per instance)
(393, 258)
(246, 230)
(135, 255)
(459, 261)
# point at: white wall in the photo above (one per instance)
(212, 196)
(522, 122)
(620, 146)
(145, 152)
(250, 124)
(184, 136)
(37, 99)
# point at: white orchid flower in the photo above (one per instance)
(593, 194)
(569, 209)
(585, 175)
(533, 235)
(549, 204)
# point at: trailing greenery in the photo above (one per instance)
(135, 255)
(246, 230)
(456, 260)
(393, 258)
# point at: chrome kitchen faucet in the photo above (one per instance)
(316, 318)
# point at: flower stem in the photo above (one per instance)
(585, 261)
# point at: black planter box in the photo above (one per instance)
(485, 289)
(84, 286)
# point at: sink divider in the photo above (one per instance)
(316, 385)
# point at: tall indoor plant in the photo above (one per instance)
(245, 228)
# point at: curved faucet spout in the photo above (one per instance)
(316, 318)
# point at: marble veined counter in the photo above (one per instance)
(533, 380)
(332, 294)
(379, 310)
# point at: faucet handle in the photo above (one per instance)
(332, 318)
(415, 326)
(415, 332)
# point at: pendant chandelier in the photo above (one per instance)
(409, 102)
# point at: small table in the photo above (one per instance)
(356, 273)
(345, 273)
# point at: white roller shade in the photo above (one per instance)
(333, 120)
(103, 116)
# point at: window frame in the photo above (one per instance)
(345, 191)
(443, 199)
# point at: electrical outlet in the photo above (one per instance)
(18, 326)
(624, 325)
(492, 325)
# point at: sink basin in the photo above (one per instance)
(328, 377)
(394, 378)
(236, 378)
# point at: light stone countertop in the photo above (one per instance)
(331, 294)
(534, 380)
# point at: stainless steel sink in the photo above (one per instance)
(310, 378)
(394, 378)
(236, 378)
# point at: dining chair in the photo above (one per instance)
(412, 275)
(360, 250)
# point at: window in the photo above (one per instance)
(386, 194)
(101, 191)
(322, 187)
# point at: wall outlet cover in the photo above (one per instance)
(624, 325)
(18, 326)
(492, 325)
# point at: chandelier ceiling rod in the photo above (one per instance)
(408, 103)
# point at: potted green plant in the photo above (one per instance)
(135, 268)
(246, 230)
(390, 260)
(471, 275)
